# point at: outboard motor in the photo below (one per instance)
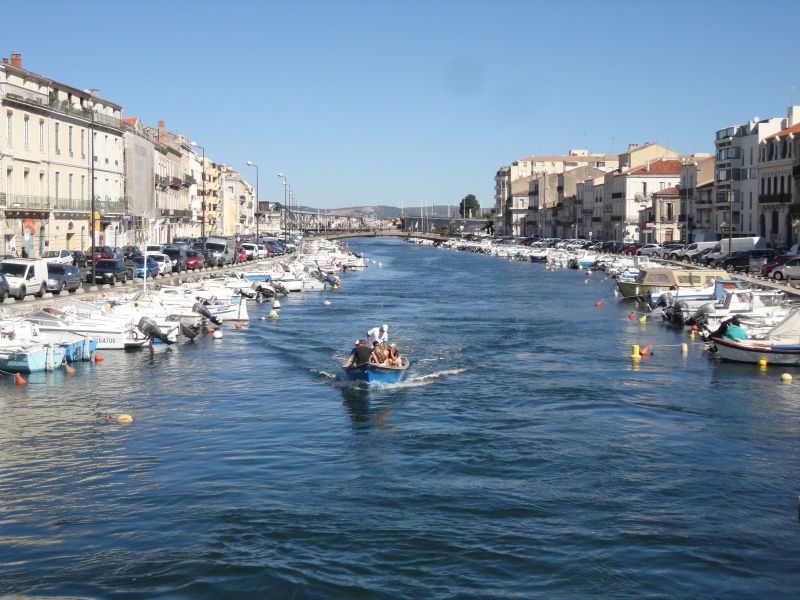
(248, 295)
(333, 279)
(701, 315)
(203, 311)
(188, 332)
(280, 288)
(265, 290)
(151, 329)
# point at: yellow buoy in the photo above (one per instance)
(691, 334)
(124, 419)
(334, 287)
(273, 314)
(786, 377)
(762, 362)
(643, 319)
(635, 352)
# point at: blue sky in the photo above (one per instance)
(378, 102)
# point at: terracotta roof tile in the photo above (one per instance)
(784, 132)
(657, 167)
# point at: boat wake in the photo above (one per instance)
(339, 381)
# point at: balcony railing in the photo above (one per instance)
(774, 198)
(11, 91)
(176, 182)
(20, 93)
(18, 201)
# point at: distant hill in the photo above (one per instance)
(389, 212)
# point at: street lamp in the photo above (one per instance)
(250, 163)
(203, 204)
(285, 195)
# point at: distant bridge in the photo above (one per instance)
(338, 235)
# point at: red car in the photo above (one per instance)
(195, 260)
(632, 249)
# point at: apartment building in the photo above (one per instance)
(695, 211)
(58, 146)
(658, 222)
(628, 191)
(736, 176)
(589, 196)
(532, 166)
(777, 201)
(238, 203)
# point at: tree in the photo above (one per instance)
(469, 206)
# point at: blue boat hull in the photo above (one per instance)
(370, 374)
(30, 360)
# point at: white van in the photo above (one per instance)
(737, 245)
(25, 276)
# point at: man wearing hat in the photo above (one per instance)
(378, 334)
(359, 356)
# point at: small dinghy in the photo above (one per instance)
(372, 374)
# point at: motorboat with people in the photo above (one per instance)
(363, 368)
(779, 346)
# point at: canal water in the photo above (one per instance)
(525, 455)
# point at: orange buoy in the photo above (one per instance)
(69, 370)
(631, 315)
(98, 358)
(209, 329)
(645, 351)
(598, 304)
(19, 379)
(238, 326)
(694, 327)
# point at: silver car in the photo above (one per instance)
(788, 270)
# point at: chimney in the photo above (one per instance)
(16, 60)
(5, 61)
(161, 126)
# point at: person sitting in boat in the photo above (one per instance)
(393, 358)
(379, 353)
(359, 356)
(378, 334)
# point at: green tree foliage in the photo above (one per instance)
(469, 206)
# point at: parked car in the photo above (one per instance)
(5, 289)
(648, 249)
(251, 250)
(155, 248)
(788, 270)
(128, 252)
(702, 257)
(104, 252)
(213, 258)
(79, 259)
(776, 261)
(669, 250)
(743, 260)
(178, 258)
(58, 256)
(163, 261)
(63, 277)
(152, 266)
(195, 260)
(631, 249)
(110, 270)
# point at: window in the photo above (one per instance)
(751, 208)
(83, 143)
(69, 141)
(58, 182)
(58, 129)
(25, 133)
(644, 188)
(41, 135)
(10, 128)
(69, 188)
(83, 187)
